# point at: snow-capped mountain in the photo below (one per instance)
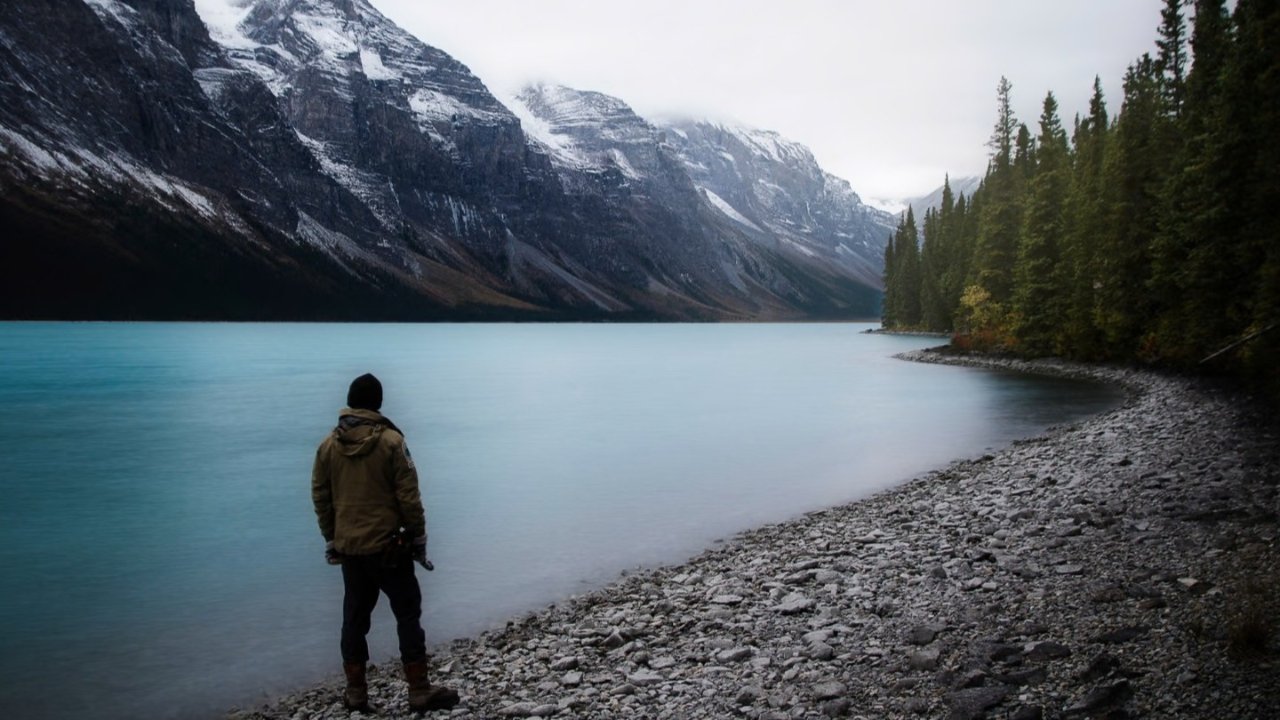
(759, 186)
(774, 188)
(311, 159)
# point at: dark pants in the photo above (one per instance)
(363, 577)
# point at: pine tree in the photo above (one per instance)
(1195, 219)
(933, 261)
(1241, 277)
(888, 317)
(958, 227)
(1000, 223)
(1135, 170)
(1040, 283)
(1171, 60)
(1085, 224)
(906, 257)
(1001, 142)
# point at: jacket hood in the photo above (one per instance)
(358, 431)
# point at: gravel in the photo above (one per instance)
(1118, 567)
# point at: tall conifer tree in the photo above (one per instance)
(932, 264)
(998, 229)
(1171, 59)
(906, 256)
(1196, 220)
(1041, 283)
(888, 316)
(1085, 224)
(1134, 172)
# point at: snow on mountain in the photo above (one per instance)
(308, 158)
(588, 131)
(777, 185)
(720, 204)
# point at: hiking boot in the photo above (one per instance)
(424, 696)
(356, 696)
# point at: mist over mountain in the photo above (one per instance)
(311, 160)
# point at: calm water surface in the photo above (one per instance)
(157, 543)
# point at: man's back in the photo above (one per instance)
(364, 485)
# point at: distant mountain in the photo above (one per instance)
(312, 160)
(959, 186)
(776, 191)
(766, 194)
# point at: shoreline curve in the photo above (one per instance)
(1126, 563)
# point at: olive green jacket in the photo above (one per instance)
(364, 484)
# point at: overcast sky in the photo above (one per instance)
(889, 94)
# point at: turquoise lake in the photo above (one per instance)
(160, 554)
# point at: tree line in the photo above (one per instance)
(1152, 236)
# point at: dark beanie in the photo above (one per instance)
(365, 393)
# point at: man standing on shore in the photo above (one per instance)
(365, 489)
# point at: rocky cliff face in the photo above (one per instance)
(776, 191)
(310, 159)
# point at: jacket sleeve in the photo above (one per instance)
(408, 497)
(322, 492)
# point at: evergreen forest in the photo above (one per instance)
(1149, 236)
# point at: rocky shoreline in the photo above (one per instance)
(1125, 566)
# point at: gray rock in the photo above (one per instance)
(838, 707)
(924, 659)
(1194, 586)
(923, 634)
(915, 706)
(793, 604)
(1047, 650)
(566, 663)
(817, 636)
(1029, 676)
(820, 651)
(827, 576)
(748, 695)
(972, 703)
(1154, 603)
(644, 677)
(662, 663)
(1121, 635)
(1102, 698)
(971, 679)
(734, 655)
(830, 689)
(1003, 652)
(528, 709)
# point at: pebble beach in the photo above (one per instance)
(1124, 566)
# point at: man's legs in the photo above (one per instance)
(402, 591)
(360, 582)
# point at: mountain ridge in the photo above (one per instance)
(334, 166)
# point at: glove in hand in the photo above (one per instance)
(420, 553)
